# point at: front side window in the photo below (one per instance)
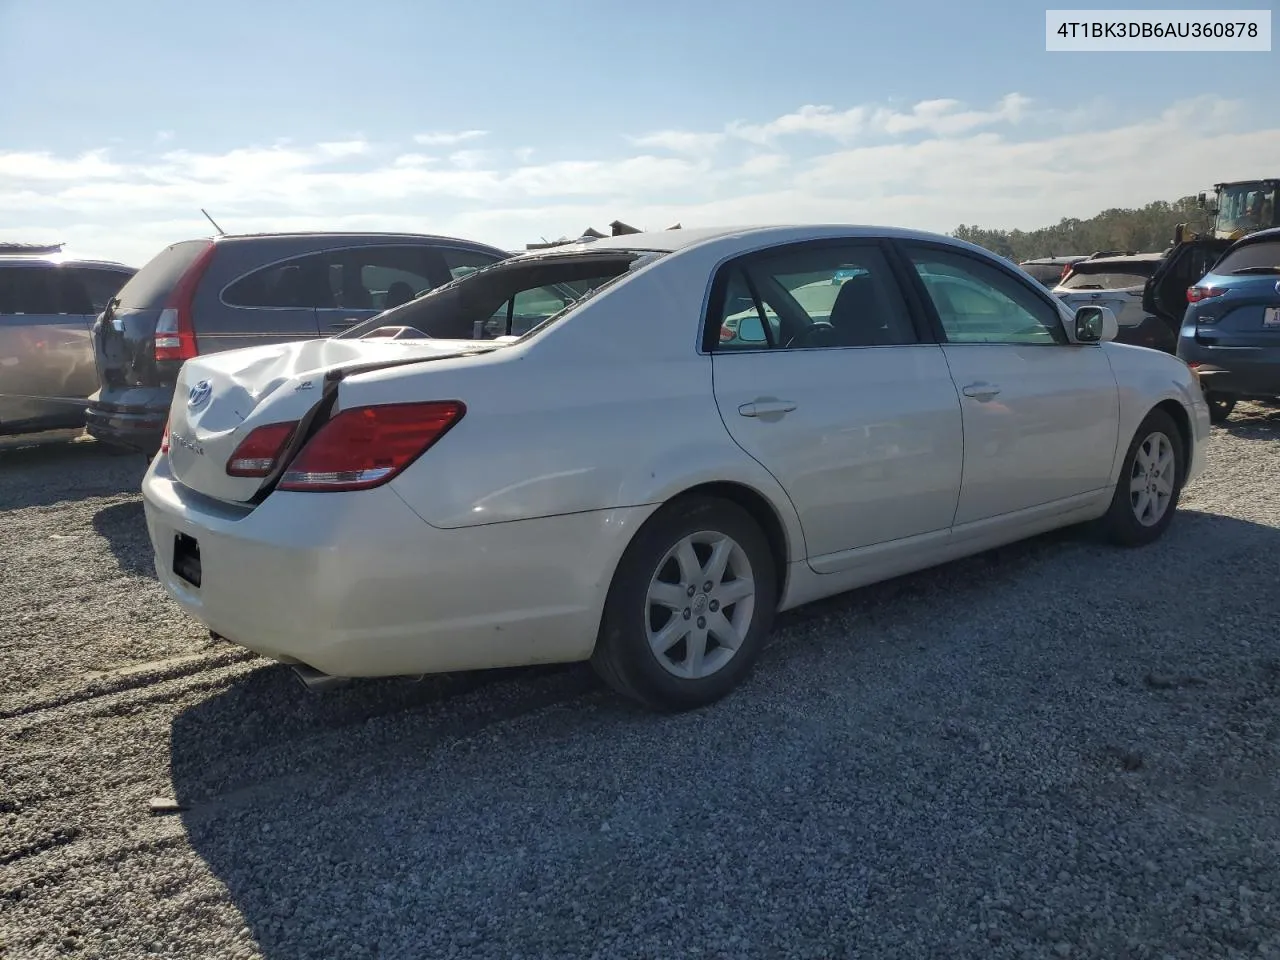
(462, 263)
(378, 278)
(816, 296)
(979, 303)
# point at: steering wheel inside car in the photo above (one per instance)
(817, 334)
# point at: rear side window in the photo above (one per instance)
(99, 285)
(149, 288)
(359, 278)
(1108, 278)
(805, 297)
(27, 290)
(300, 283)
(1260, 258)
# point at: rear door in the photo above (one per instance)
(275, 302)
(827, 382)
(46, 360)
(1165, 294)
(1040, 414)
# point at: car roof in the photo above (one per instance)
(1262, 236)
(1054, 261)
(347, 235)
(751, 236)
(60, 260)
(1120, 261)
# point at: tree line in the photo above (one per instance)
(1146, 229)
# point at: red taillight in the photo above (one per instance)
(257, 453)
(367, 446)
(175, 331)
(1066, 271)
(726, 334)
(1196, 294)
(164, 438)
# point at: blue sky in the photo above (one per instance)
(509, 120)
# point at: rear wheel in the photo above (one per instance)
(1150, 483)
(1220, 406)
(689, 607)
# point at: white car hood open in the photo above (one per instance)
(221, 398)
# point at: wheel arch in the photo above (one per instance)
(1182, 420)
(758, 507)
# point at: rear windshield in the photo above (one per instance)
(1262, 258)
(1046, 273)
(505, 299)
(150, 286)
(1109, 277)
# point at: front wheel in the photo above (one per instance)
(1220, 406)
(689, 607)
(1150, 483)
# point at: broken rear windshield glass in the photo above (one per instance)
(510, 298)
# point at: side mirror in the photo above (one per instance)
(1095, 325)
(750, 330)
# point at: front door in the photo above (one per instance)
(1040, 413)
(821, 376)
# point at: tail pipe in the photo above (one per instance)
(315, 681)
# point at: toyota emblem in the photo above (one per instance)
(199, 393)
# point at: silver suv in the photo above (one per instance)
(48, 301)
(1118, 283)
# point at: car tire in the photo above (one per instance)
(658, 612)
(1220, 406)
(1146, 493)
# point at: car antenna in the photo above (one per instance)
(221, 232)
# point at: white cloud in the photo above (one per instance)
(442, 139)
(932, 165)
(680, 141)
(822, 120)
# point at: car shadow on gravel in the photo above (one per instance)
(124, 527)
(53, 473)
(525, 811)
(1254, 421)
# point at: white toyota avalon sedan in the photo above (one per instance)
(638, 450)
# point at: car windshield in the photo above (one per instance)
(511, 298)
(1109, 276)
(1251, 258)
(1246, 208)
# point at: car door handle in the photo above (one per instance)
(766, 407)
(981, 391)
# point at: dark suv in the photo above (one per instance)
(205, 296)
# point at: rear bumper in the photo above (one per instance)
(357, 585)
(133, 419)
(1237, 372)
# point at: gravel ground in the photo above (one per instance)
(1054, 750)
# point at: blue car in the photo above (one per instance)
(1231, 329)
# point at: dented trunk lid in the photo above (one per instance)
(221, 398)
